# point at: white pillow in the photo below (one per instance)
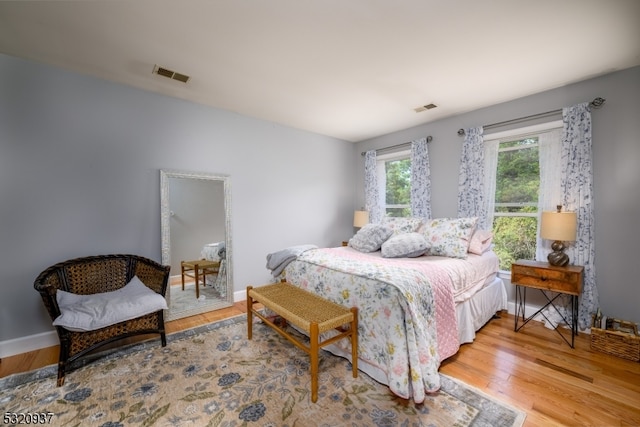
(407, 245)
(90, 312)
(449, 236)
(370, 237)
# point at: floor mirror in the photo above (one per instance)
(196, 241)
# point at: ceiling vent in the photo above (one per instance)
(170, 74)
(424, 108)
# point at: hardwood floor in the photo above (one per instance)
(533, 370)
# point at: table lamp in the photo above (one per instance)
(360, 219)
(559, 227)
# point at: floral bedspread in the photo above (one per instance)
(407, 322)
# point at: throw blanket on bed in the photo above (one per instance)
(405, 329)
(277, 261)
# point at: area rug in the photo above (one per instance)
(180, 300)
(213, 376)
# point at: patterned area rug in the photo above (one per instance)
(213, 376)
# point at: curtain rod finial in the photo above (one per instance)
(429, 138)
(597, 102)
(461, 132)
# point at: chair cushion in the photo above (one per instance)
(90, 312)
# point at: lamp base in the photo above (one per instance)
(558, 257)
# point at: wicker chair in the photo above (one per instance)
(96, 274)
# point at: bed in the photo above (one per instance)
(414, 311)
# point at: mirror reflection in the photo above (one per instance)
(195, 242)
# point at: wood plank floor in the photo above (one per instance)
(533, 370)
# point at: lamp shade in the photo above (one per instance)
(558, 226)
(360, 218)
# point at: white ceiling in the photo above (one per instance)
(352, 69)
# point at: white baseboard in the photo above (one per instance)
(528, 310)
(240, 295)
(29, 343)
(49, 339)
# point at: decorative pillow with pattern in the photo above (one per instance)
(370, 237)
(449, 236)
(401, 225)
(407, 245)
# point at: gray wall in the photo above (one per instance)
(197, 218)
(80, 162)
(616, 168)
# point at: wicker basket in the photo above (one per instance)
(617, 343)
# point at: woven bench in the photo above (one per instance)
(309, 312)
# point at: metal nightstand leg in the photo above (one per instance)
(521, 297)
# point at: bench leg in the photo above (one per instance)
(249, 313)
(197, 281)
(354, 342)
(182, 274)
(313, 353)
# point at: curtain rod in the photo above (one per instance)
(596, 103)
(394, 147)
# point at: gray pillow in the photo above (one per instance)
(407, 245)
(370, 237)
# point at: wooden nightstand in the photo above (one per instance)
(545, 277)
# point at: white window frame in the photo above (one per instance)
(512, 135)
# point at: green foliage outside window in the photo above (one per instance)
(517, 186)
(398, 191)
(514, 238)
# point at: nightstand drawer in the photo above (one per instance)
(541, 275)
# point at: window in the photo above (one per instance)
(515, 217)
(394, 178)
(519, 192)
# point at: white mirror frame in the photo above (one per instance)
(165, 212)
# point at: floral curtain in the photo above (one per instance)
(371, 189)
(420, 179)
(471, 184)
(490, 173)
(550, 195)
(577, 189)
(573, 160)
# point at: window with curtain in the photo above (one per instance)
(394, 180)
(521, 174)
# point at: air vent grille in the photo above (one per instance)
(425, 107)
(170, 74)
